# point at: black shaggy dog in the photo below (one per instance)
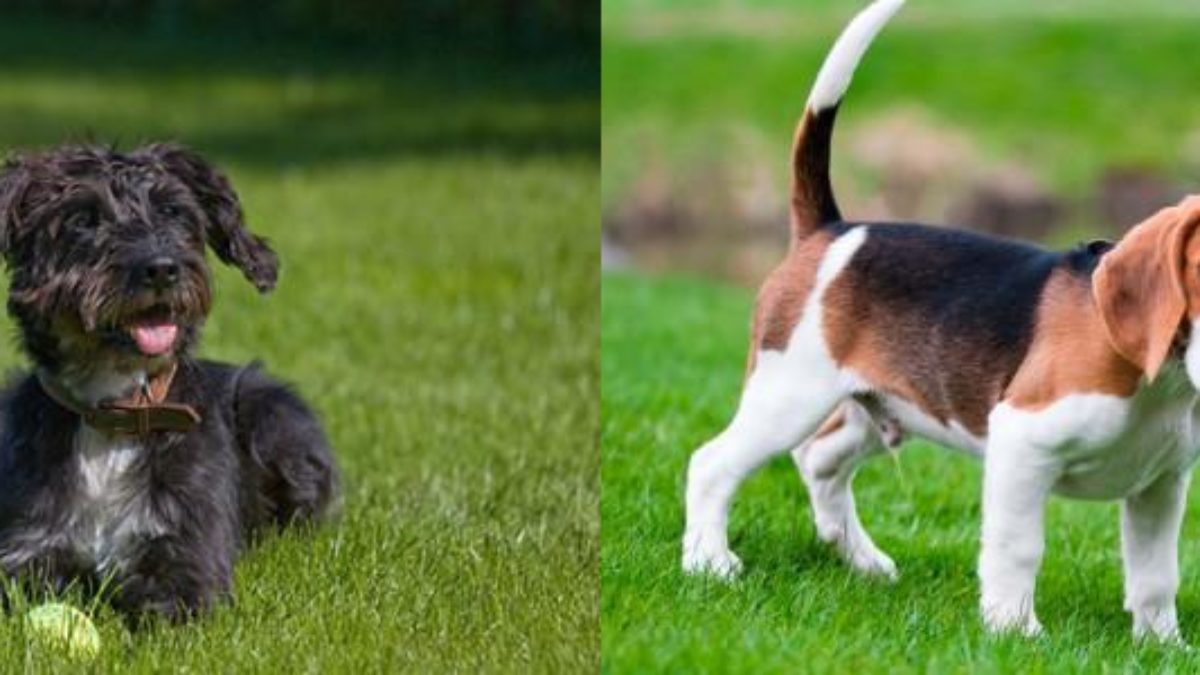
(122, 458)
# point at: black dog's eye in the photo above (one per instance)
(83, 219)
(169, 211)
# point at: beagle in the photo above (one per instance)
(1065, 372)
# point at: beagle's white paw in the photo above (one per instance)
(702, 558)
(1157, 625)
(1000, 619)
(873, 563)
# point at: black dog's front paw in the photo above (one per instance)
(143, 599)
(172, 582)
(139, 610)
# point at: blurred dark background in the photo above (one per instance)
(303, 82)
(506, 27)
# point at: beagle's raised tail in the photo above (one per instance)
(812, 194)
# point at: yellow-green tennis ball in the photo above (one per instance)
(64, 627)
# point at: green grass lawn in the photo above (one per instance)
(1064, 89)
(674, 353)
(438, 230)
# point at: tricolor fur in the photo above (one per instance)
(1065, 372)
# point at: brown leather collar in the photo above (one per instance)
(138, 415)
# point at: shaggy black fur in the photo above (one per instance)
(87, 234)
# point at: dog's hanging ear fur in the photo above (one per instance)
(14, 180)
(1140, 289)
(225, 230)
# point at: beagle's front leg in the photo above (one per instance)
(1150, 523)
(1017, 482)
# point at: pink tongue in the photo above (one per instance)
(154, 339)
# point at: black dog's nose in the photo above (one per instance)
(159, 273)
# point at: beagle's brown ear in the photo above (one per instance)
(1139, 286)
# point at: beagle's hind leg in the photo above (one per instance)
(775, 413)
(827, 462)
(786, 396)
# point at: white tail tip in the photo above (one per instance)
(839, 66)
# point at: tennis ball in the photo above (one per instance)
(64, 627)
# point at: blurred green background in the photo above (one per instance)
(429, 173)
(1045, 119)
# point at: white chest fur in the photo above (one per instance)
(1107, 447)
(112, 510)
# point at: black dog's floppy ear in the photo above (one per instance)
(225, 230)
(14, 181)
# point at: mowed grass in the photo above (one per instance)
(674, 353)
(438, 230)
(1062, 89)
